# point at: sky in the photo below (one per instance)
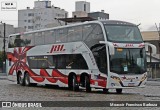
(143, 12)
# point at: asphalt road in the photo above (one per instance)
(10, 91)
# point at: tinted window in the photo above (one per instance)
(32, 61)
(28, 39)
(61, 61)
(18, 41)
(57, 61)
(11, 42)
(21, 40)
(128, 61)
(92, 34)
(76, 62)
(123, 33)
(99, 52)
(38, 62)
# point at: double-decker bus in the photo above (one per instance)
(96, 54)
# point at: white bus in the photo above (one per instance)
(97, 54)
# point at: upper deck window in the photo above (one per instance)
(123, 33)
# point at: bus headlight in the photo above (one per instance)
(116, 78)
(143, 78)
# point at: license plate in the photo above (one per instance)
(131, 84)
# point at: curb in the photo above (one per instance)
(3, 74)
(153, 80)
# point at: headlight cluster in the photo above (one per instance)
(144, 77)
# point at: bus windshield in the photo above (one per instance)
(123, 33)
(128, 61)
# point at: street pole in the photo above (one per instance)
(4, 42)
(4, 47)
(150, 62)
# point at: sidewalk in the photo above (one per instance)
(3, 74)
(150, 79)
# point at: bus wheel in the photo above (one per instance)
(20, 79)
(119, 91)
(75, 86)
(87, 84)
(26, 80)
(105, 90)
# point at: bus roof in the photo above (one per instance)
(76, 24)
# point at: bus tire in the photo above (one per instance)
(21, 79)
(119, 91)
(33, 84)
(105, 90)
(75, 86)
(27, 80)
(87, 84)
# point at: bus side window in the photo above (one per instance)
(17, 41)
(61, 62)
(39, 39)
(99, 52)
(74, 33)
(92, 34)
(11, 42)
(69, 61)
(49, 37)
(32, 61)
(81, 62)
(61, 35)
(75, 61)
(28, 39)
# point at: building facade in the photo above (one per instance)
(99, 15)
(82, 9)
(153, 62)
(43, 15)
(82, 6)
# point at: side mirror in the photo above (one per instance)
(110, 45)
(153, 47)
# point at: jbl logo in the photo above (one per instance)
(57, 48)
(129, 45)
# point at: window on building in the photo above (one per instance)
(30, 14)
(30, 27)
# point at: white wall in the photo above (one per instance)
(80, 6)
(39, 18)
